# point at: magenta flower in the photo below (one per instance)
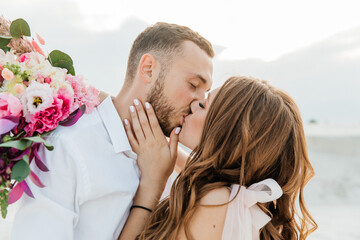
(47, 119)
(67, 99)
(24, 57)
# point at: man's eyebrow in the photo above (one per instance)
(201, 78)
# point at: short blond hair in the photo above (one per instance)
(164, 41)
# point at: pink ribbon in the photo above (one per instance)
(244, 218)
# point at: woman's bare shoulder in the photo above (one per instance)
(216, 196)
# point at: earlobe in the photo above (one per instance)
(146, 68)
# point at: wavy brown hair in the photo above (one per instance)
(252, 132)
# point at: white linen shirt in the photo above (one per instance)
(89, 189)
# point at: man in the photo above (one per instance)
(93, 173)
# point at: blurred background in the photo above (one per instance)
(309, 48)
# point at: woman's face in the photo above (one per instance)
(194, 123)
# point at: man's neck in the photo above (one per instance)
(124, 100)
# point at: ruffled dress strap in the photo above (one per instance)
(244, 218)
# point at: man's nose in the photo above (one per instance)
(199, 95)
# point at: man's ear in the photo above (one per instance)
(147, 68)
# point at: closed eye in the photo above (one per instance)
(201, 105)
(193, 86)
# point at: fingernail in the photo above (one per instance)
(177, 130)
(136, 102)
(147, 105)
(126, 121)
(132, 109)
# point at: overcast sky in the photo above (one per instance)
(310, 48)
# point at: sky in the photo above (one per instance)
(309, 48)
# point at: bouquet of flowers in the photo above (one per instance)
(38, 92)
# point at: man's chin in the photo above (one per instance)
(167, 130)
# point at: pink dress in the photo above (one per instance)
(244, 218)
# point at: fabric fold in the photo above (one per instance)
(244, 218)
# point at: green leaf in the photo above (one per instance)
(4, 202)
(56, 56)
(26, 158)
(4, 41)
(66, 65)
(18, 144)
(62, 60)
(19, 28)
(20, 171)
(6, 49)
(38, 139)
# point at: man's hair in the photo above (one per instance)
(164, 42)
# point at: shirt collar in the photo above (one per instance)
(114, 126)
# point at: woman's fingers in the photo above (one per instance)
(154, 123)
(133, 141)
(173, 143)
(143, 119)
(139, 134)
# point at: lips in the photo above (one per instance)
(183, 118)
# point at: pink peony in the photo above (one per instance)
(47, 119)
(83, 93)
(67, 99)
(9, 105)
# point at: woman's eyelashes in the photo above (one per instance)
(201, 105)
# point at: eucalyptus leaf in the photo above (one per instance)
(57, 55)
(4, 41)
(26, 158)
(20, 171)
(38, 139)
(19, 28)
(66, 65)
(18, 144)
(5, 49)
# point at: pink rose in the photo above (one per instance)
(7, 74)
(9, 105)
(19, 88)
(47, 119)
(24, 57)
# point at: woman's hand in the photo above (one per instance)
(156, 156)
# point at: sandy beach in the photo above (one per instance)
(332, 196)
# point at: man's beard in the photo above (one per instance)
(164, 111)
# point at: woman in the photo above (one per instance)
(242, 134)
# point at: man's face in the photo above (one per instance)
(188, 79)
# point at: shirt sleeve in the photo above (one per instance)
(53, 213)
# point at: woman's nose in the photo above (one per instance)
(196, 105)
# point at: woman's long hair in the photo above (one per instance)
(252, 132)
